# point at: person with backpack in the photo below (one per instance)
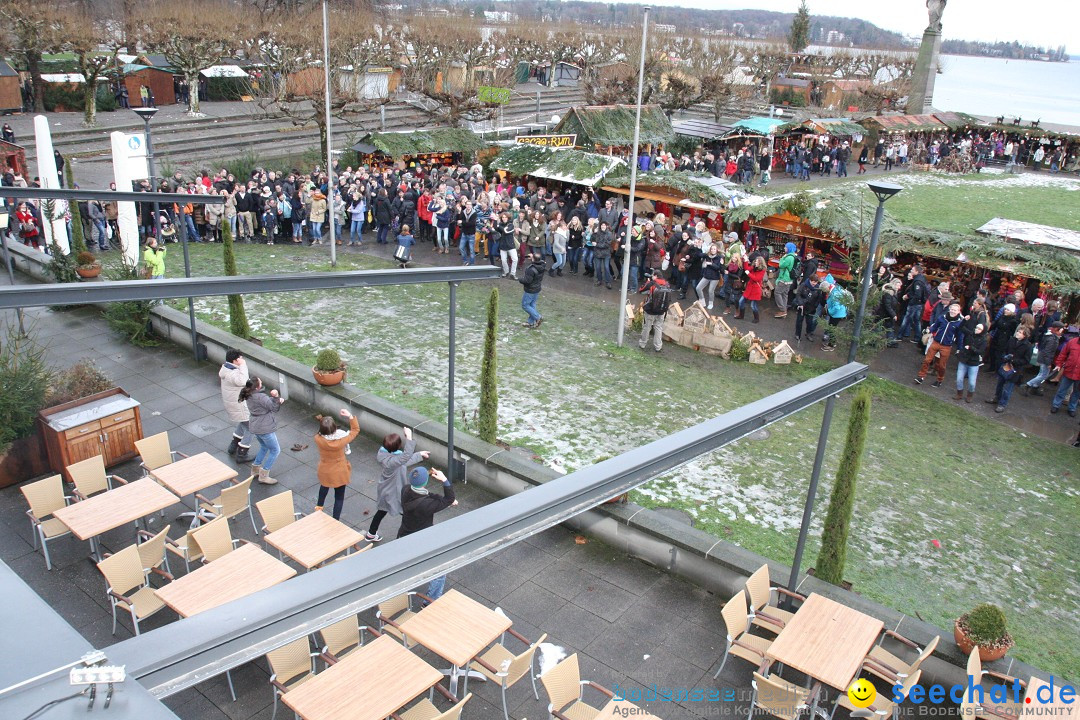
(835, 308)
(1047, 353)
(808, 300)
(916, 294)
(655, 308)
(789, 268)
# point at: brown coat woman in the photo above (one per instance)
(334, 470)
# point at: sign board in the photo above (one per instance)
(134, 156)
(550, 141)
(495, 95)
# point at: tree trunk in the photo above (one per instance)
(193, 89)
(33, 63)
(130, 40)
(89, 103)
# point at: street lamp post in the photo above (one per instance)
(883, 191)
(329, 133)
(633, 180)
(146, 113)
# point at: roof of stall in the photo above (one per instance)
(564, 165)
(421, 142)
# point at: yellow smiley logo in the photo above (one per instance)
(862, 693)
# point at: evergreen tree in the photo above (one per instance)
(488, 416)
(799, 36)
(238, 324)
(831, 558)
(78, 240)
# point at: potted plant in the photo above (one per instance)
(328, 369)
(86, 265)
(985, 627)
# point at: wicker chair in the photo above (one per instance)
(564, 688)
(763, 601)
(780, 698)
(501, 666)
(90, 478)
(128, 587)
(391, 613)
(969, 708)
(290, 666)
(889, 667)
(46, 497)
(155, 452)
(152, 550)
(426, 710)
(740, 642)
(883, 704)
(232, 501)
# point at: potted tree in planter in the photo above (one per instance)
(328, 369)
(983, 627)
(86, 265)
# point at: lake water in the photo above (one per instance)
(1034, 90)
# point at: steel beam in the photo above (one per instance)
(85, 293)
(35, 193)
(181, 654)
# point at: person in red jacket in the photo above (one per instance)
(755, 274)
(423, 228)
(1068, 359)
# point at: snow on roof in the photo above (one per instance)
(63, 77)
(227, 71)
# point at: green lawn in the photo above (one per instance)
(1004, 506)
(965, 202)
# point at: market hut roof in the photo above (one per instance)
(702, 129)
(904, 123)
(840, 127)
(957, 120)
(614, 125)
(421, 142)
(848, 215)
(684, 189)
(574, 166)
(759, 126)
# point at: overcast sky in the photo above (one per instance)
(1041, 22)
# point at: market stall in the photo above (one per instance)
(697, 197)
(609, 129)
(762, 133)
(440, 146)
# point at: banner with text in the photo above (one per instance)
(550, 141)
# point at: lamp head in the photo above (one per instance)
(146, 113)
(883, 190)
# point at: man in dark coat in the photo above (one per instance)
(532, 279)
(419, 506)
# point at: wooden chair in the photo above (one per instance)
(343, 637)
(128, 587)
(44, 498)
(765, 613)
(232, 501)
(780, 698)
(290, 666)
(740, 642)
(90, 478)
(426, 710)
(391, 613)
(215, 539)
(883, 704)
(278, 511)
(155, 452)
(152, 550)
(187, 547)
(565, 687)
(970, 707)
(501, 666)
(889, 667)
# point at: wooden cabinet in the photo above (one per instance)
(106, 424)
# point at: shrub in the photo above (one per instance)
(985, 625)
(132, 318)
(24, 380)
(244, 164)
(740, 350)
(328, 361)
(62, 265)
(238, 322)
(488, 421)
(78, 241)
(85, 258)
(81, 379)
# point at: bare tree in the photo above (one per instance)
(193, 35)
(29, 30)
(95, 48)
(765, 61)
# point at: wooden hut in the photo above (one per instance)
(610, 128)
(159, 81)
(12, 158)
(10, 89)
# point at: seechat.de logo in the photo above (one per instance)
(1000, 693)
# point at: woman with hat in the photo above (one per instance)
(334, 469)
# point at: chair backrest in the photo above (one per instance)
(342, 636)
(289, 662)
(778, 697)
(563, 683)
(390, 608)
(123, 570)
(884, 701)
(521, 663)
(214, 539)
(236, 498)
(455, 712)
(735, 616)
(89, 476)
(927, 652)
(277, 511)
(44, 496)
(758, 587)
(974, 666)
(154, 450)
(152, 551)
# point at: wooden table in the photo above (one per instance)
(314, 538)
(108, 510)
(369, 684)
(457, 628)
(617, 708)
(1061, 711)
(192, 474)
(244, 571)
(826, 640)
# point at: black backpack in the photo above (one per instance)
(659, 300)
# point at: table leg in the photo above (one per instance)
(95, 550)
(454, 672)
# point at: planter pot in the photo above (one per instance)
(88, 271)
(25, 458)
(334, 377)
(986, 654)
